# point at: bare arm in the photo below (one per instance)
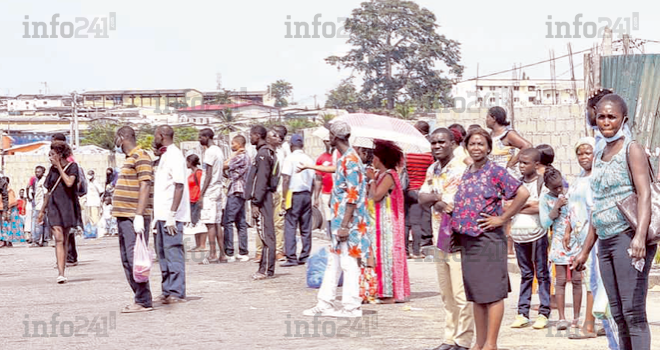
(207, 179)
(588, 244)
(640, 178)
(348, 216)
(68, 180)
(318, 184)
(286, 180)
(490, 222)
(514, 139)
(427, 200)
(378, 192)
(321, 168)
(530, 208)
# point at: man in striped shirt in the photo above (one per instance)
(132, 208)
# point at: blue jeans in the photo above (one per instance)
(171, 259)
(40, 233)
(235, 215)
(533, 257)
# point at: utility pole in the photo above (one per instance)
(570, 59)
(76, 129)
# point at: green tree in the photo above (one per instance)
(185, 133)
(222, 98)
(101, 133)
(396, 49)
(280, 90)
(145, 135)
(404, 110)
(297, 124)
(344, 96)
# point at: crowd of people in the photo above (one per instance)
(477, 198)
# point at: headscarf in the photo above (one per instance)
(587, 140)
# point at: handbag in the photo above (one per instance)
(628, 205)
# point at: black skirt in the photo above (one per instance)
(484, 264)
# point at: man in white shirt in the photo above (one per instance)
(40, 234)
(211, 196)
(297, 188)
(92, 199)
(171, 211)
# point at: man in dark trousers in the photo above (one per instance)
(260, 186)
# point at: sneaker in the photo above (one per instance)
(319, 311)
(243, 258)
(521, 321)
(280, 257)
(540, 323)
(343, 313)
(231, 259)
(289, 264)
(61, 280)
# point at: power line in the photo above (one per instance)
(525, 66)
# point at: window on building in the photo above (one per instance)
(480, 99)
(492, 88)
(516, 88)
(547, 95)
(531, 99)
(531, 88)
(481, 88)
(516, 99)
(491, 100)
(45, 102)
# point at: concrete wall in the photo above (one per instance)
(560, 126)
(20, 167)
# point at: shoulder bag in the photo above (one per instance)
(628, 205)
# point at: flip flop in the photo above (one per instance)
(131, 309)
(581, 335)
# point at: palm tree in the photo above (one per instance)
(228, 121)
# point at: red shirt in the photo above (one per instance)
(417, 164)
(325, 159)
(194, 185)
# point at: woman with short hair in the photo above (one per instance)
(478, 218)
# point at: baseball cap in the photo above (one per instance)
(296, 140)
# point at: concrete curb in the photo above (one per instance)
(654, 276)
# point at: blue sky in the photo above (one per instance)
(184, 44)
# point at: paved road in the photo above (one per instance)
(228, 310)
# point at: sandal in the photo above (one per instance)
(135, 308)
(601, 332)
(563, 325)
(208, 261)
(581, 335)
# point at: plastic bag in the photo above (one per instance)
(90, 231)
(601, 309)
(316, 268)
(141, 260)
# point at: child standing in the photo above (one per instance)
(553, 212)
(531, 244)
(108, 223)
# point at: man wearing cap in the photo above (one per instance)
(349, 226)
(297, 188)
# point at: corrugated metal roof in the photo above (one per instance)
(636, 78)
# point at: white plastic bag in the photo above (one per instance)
(601, 309)
(141, 260)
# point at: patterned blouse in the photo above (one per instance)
(349, 187)
(481, 192)
(610, 183)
